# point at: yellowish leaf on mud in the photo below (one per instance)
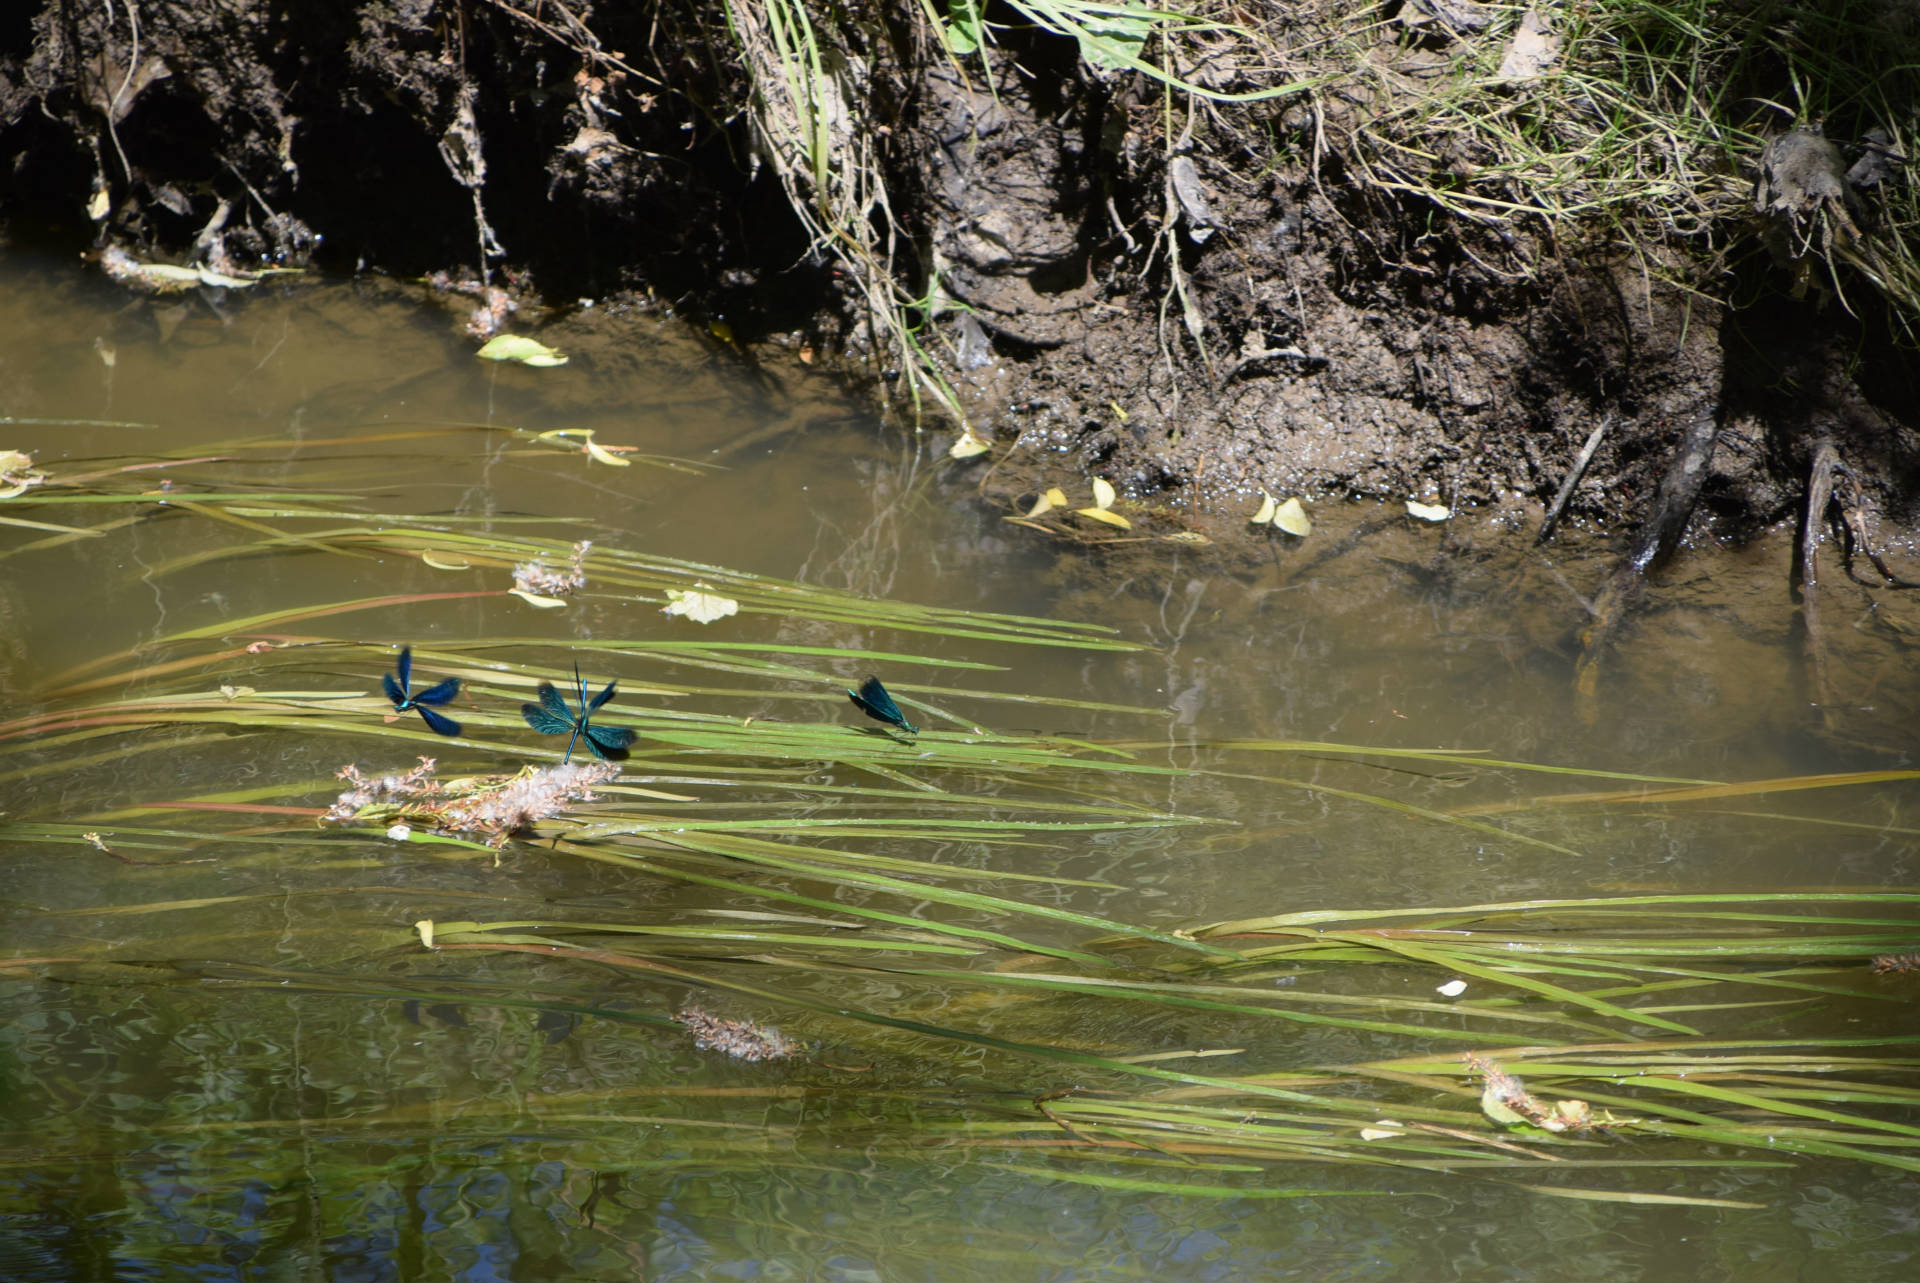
(1428, 511)
(1267, 507)
(517, 347)
(445, 560)
(1106, 515)
(700, 607)
(967, 446)
(535, 599)
(1103, 495)
(1292, 518)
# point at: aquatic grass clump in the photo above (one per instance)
(945, 942)
(1624, 1103)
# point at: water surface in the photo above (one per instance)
(227, 1055)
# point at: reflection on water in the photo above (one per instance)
(250, 1068)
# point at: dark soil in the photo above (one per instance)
(1335, 340)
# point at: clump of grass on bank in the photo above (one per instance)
(1639, 132)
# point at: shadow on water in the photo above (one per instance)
(1126, 965)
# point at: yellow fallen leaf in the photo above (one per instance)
(1043, 504)
(445, 560)
(700, 607)
(1107, 515)
(534, 599)
(1056, 496)
(1103, 495)
(1428, 511)
(1292, 518)
(605, 456)
(967, 446)
(517, 347)
(1265, 514)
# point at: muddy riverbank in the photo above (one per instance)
(1295, 253)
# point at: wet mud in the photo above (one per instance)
(1194, 305)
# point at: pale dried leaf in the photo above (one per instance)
(1107, 515)
(700, 607)
(1292, 518)
(1192, 195)
(1531, 51)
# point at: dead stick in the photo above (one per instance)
(1580, 462)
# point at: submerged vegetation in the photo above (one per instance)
(888, 924)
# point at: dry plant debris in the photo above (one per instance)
(741, 1039)
(1506, 1100)
(490, 807)
(537, 578)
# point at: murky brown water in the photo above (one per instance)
(174, 1117)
